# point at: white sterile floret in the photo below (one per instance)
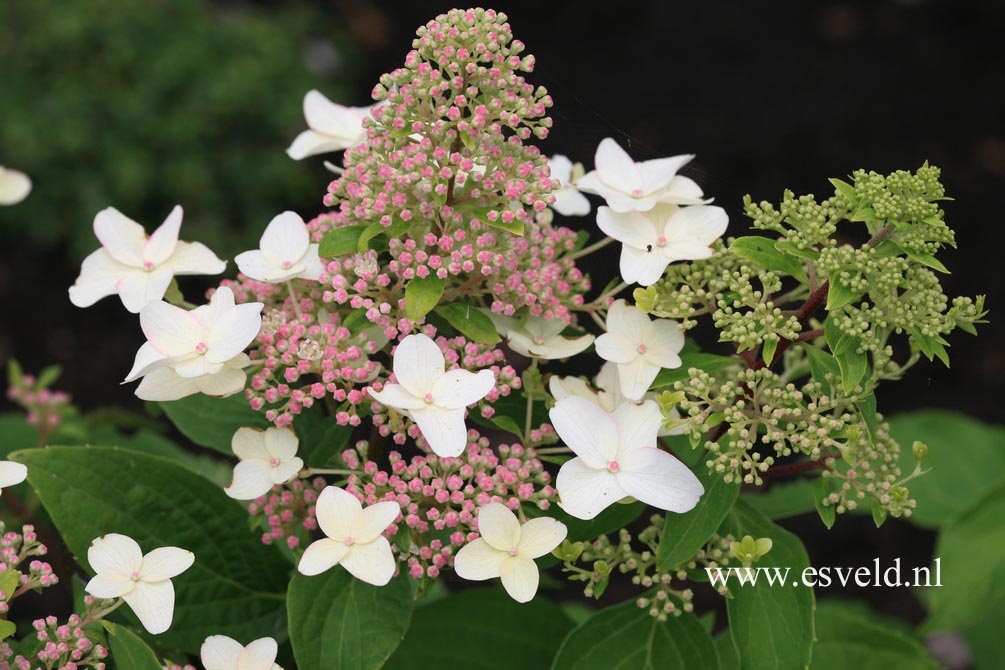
(12, 473)
(331, 127)
(628, 186)
(220, 652)
(617, 457)
(268, 457)
(143, 581)
(434, 398)
(507, 549)
(568, 200)
(136, 267)
(354, 538)
(195, 351)
(652, 240)
(285, 252)
(536, 337)
(639, 346)
(14, 186)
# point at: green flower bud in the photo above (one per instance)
(568, 551)
(920, 449)
(749, 550)
(645, 298)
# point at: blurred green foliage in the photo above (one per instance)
(143, 104)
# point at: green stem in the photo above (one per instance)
(586, 251)
(529, 418)
(294, 299)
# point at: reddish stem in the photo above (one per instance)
(793, 468)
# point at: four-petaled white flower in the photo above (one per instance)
(639, 346)
(285, 252)
(433, 398)
(536, 337)
(136, 267)
(220, 652)
(355, 538)
(507, 550)
(617, 457)
(195, 351)
(652, 240)
(332, 127)
(143, 581)
(628, 186)
(14, 186)
(268, 457)
(12, 473)
(568, 200)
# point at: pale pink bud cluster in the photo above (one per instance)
(439, 496)
(15, 549)
(66, 646)
(44, 407)
(287, 513)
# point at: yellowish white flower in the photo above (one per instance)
(285, 252)
(268, 457)
(136, 267)
(12, 473)
(568, 200)
(14, 186)
(331, 127)
(536, 337)
(354, 538)
(507, 549)
(639, 346)
(143, 581)
(220, 652)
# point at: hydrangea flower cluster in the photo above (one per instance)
(45, 407)
(67, 646)
(15, 549)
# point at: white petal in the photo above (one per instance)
(691, 230)
(570, 202)
(499, 526)
(395, 396)
(657, 478)
(312, 143)
(621, 202)
(636, 376)
(682, 191)
(337, 511)
(607, 378)
(616, 348)
(153, 604)
(162, 242)
(374, 520)
(637, 426)
(281, 443)
(138, 288)
(171, 330)
(252, 478)
(220, 652)
(287, 472)
(372, 563)
(259, 655)
(664, 340)
(443, 429)
(164, 384)
(478, 561)
(627, 320)
(552, 349)
(586, 429)
(14, 186)
(114, 553)
(418, 363)
(99, 277)
(110, 585)
(233, 332)
(165, 563)
(331, 118)
(632, 228)
(227, 381)
(561, 169)
(147, 359)
(256, 265)
(195, 258)
(642, 267)
(520, 577)
(458, 388)
(616, 168)
(657, 174)
(249, 443)
(321, 556)
(585, 492)
(563, 387)
(12, 473)
(122, 237)
(314, 267)
(539, 536)
(285, 239)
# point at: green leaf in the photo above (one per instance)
(771, 626)
(867, 410)
(337, 621)
(854, 369)
(821, 490)
(153, 444)
(768, 351)
(322, 440)
(236, 585)
(788, 247)
(966, 457)
(625, 637)
(878, 513)
(129, 651)
(929, 260)
(851, 636)
(212, 422)
(7, 629)
(724, 649)
(340, 241)
(844, 188)
(523, 635)
(710, 363)
(684, 534)
(783, 499)
(839, 295)
(822, 364)
(763, 252)
(367, 234)
(421, 296)
(470, 322)
(9, 581)
(16, 433)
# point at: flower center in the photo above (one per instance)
(201, 347)
(637, 193)
(642, 349)
(661, 241)
(148, 265)
(428, 397)
(348, 540)
(135, 576)
(273, 461)
(613, 467)
(286, 265)
(539, 339)
(512, 551)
